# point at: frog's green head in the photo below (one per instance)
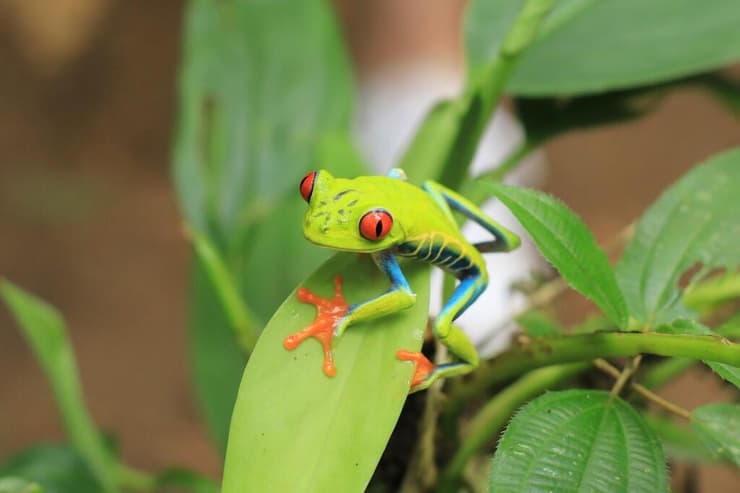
(348, 215)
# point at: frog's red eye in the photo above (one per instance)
(376, 224)
(307, 185)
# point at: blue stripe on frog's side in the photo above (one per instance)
(442, 251)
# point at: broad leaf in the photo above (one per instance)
(595, 46)
(728, 372)
(45, 331)
(718, 425)
(567, 244)
(679, 441)
(261, 81)
(295, 429)
(578, 440)
(262, 84)
(695, 220)
(57, 468)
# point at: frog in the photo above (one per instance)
(390, 218)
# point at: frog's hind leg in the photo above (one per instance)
(466, 292)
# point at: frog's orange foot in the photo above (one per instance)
(422, 366)
(328, 314)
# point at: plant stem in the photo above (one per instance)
(484, 92)
(663, 372)
(241, 319)
(629, 369)
(604, 366)
(548, 351)
(493, 416)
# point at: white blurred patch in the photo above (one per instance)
(390, 107)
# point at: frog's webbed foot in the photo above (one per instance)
(330, 314)
(423, 368)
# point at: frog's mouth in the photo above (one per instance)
(340, 243)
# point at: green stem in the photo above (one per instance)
(485, 91)
(548, 351)
(493, 416)
(240, 317)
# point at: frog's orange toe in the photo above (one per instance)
(422, 366)
(328, 314)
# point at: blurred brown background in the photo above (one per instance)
(89, 222)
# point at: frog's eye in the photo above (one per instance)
(306, 186)
(376, 224)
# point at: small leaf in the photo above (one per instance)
(578, 440)
(537, 323)
(295, 429)
(46, 333)
(695, 220)
(184, 480)
(719, 426)
(568, 245)
(57, 468)
(709, 293)
(728, 372)
(18, 485)
(679, 442)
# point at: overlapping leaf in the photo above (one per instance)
(262, 84)
(567, 244)
(693, 221)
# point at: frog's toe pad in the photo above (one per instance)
(422, 368)
(329, 312)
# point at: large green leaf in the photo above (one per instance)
(578, 440)
(293, 428)
(57, 468)
(44, 329)
(264, 90)
(261, 82)
(567, 244)
(695, 220)
(600, 45)
(718, 425)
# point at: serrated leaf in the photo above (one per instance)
(567, 244)
(45, 331)
(593, 46)
(728, 372)
(293, 428)
(695, 220)
(578, 440)
(718, 425)
(57, 468)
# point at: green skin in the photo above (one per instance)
(423, 228)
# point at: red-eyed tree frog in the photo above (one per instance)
(388, 217)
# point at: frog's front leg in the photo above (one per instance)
(334, 315)
(466, 292)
